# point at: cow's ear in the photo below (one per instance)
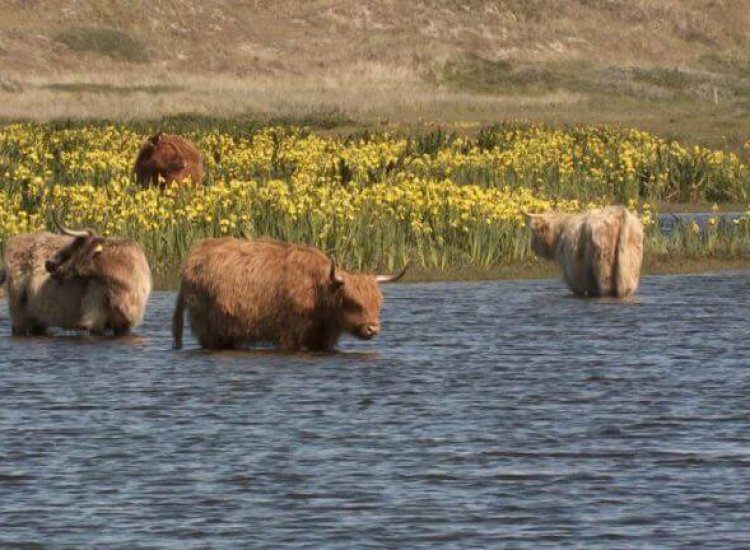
(336, 280)
(540, 225)
(155, 138)
(97, 246)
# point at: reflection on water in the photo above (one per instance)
(485, 415)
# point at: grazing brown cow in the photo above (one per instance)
(75, 281)
(239, 291)
(172, 157)
(600, 251)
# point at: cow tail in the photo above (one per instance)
(178, 320)
(629, 255)
(2, 276)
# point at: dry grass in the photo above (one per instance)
(365, 97)
(295, 36)
(370, 92)
(533, 270)
(646, 63)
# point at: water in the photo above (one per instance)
(668, 221)
(503, 414)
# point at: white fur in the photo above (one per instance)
(599, 251)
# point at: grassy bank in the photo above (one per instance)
(529, 270)
(548, 270)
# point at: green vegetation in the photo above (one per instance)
(728, 63)
(719, 240)
(475, 73)
(84, 87)
(451, 203)
(673, 78)
(104, 41)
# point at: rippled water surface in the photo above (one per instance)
(503, 414)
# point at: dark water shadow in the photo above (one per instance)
(269, 352)
(76, 337)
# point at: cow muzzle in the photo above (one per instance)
(368, 331)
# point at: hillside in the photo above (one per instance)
(640, 61)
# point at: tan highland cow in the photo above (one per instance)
(293, 296)
(169, 157)
(600, 251)
(75, 281)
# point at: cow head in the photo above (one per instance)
(80, 258)
(150, 146)
(358, 300)
(545, 232)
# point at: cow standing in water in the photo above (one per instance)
(169, 157)
(294, 296)
(600, 251)
(75, 280)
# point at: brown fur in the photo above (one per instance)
(71, 283)
(239, 291)
(600, 251)
(172, 157)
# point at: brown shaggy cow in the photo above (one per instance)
(172, 157)
(600, 251)
(239, 291)
(75, 281)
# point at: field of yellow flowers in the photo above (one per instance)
(442, 200)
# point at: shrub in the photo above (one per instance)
(104, 41)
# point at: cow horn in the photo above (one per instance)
(71, 233)
(527, 213)
(392, 278)
(335, 277)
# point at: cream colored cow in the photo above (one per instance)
(600, 251)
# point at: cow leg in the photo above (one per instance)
(328, 339)
(35, 329)
(23, 325)
(577, 274)
(121, 331)
(144, 178)
(117, 319)
(598, 267)
(19, 321)
(602, 271)
(290, 342)
(215, 343)
(318, 337)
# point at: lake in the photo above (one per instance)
(498, 414)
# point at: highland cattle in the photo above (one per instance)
(599, 251)
(293, 296)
